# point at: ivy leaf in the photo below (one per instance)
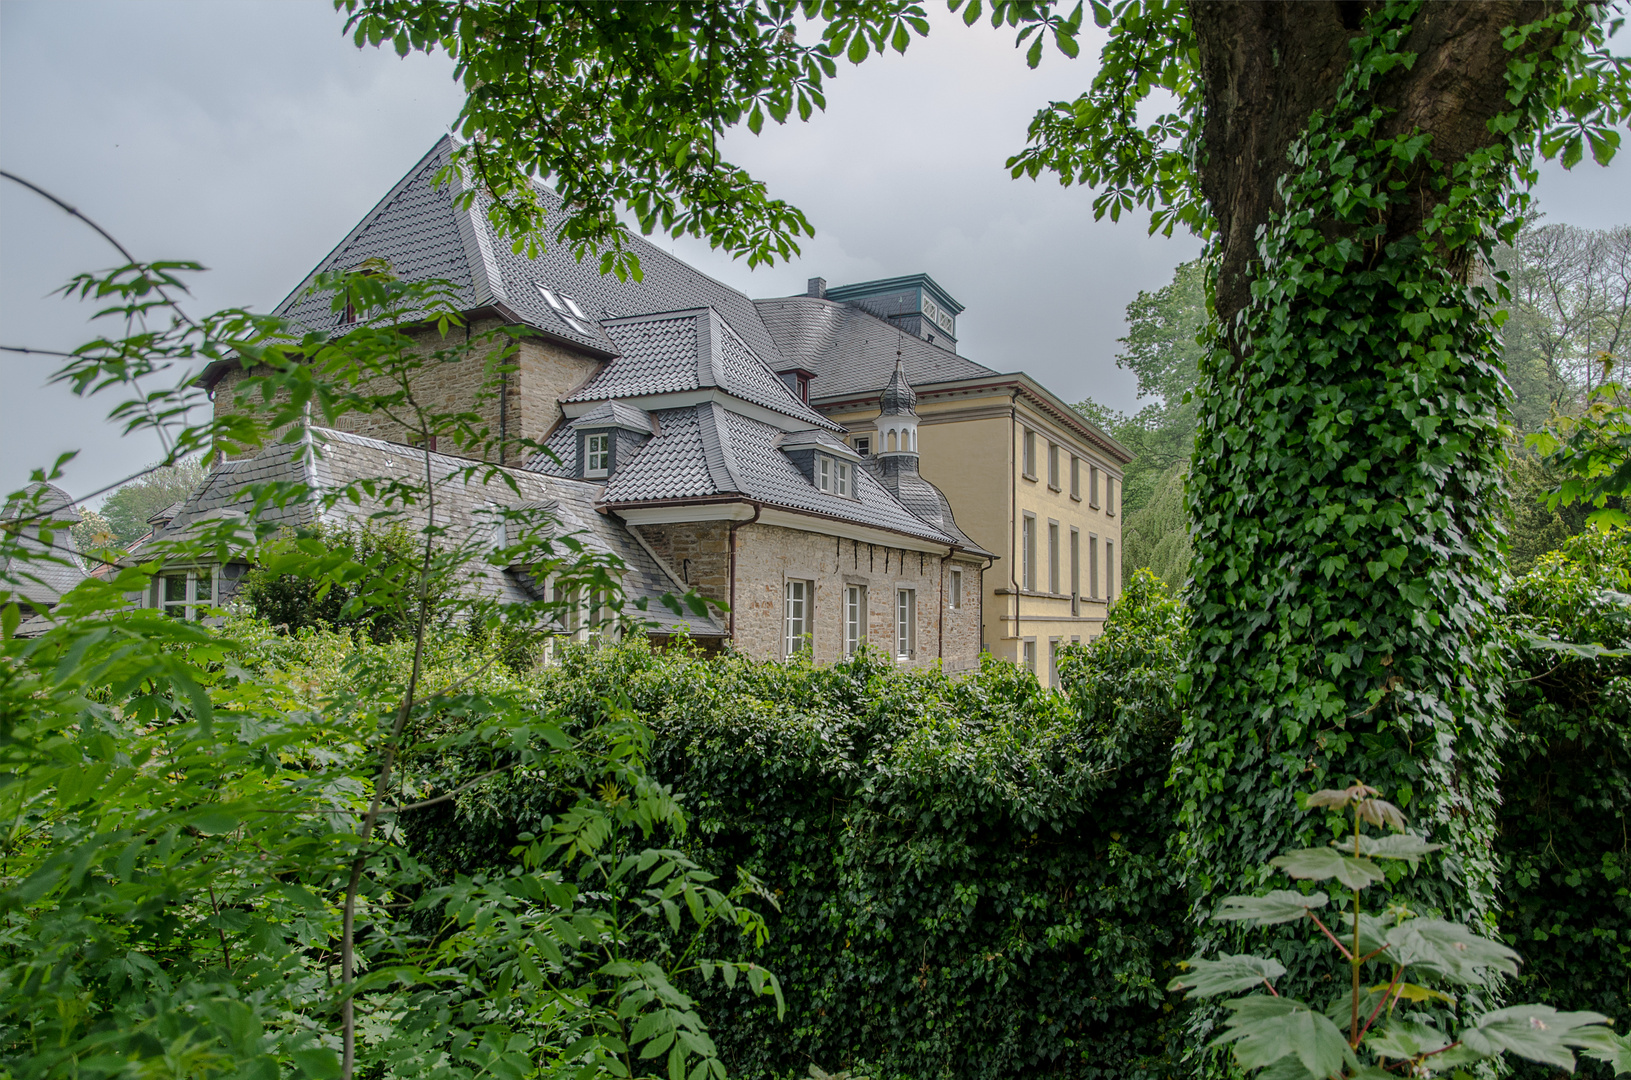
(1225, 975)
(1537, 1032)
(1405, 1039)
(1318, 864)
(1265, 1029)
(1279, 906)
(1450, 950)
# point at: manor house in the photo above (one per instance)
(827, 468)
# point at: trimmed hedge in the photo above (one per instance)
(974, 877)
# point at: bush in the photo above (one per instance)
(298, 601)
(973, 876)
(1566, 783)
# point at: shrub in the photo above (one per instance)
(973, 876)
(296, 601)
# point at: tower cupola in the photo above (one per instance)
(897, 416)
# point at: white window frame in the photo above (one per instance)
(905, 623)
(956, 590)
(798, 607)
(190, 605)
(1027, 654)
(597, 446)
(833, 475)
(863, 445)
(1053, 557)
(1027, 557)
(1053, 662)
(855, 618)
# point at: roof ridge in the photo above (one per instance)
(442, 144)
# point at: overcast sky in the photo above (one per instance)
(251, 136)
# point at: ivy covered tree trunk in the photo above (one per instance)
(1357, 160)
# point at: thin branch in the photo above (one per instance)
(466, 786)
(38, 352)
(1392, 988)
(100, 231)
(1346, 955)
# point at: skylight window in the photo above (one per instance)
(568, 309)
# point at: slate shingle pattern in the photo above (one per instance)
(41, 584)
(463, 502)
(674, 465)
(853, 351)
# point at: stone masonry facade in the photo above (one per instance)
(767, 556)
(541, 374)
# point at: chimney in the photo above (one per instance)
(816, 287)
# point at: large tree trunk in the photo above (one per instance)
(1345, 487)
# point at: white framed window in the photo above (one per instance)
(796, 620)
(597, 453)
(1029, 462)
(1027, 567)
(956, 589)
(833, 475)
(863, 445)
(1076, 478)
(905, 623)
(568, 613)
(1053, 466)
(1075, 562)
(1027, 654)
(1053, 557)
(854, 618)
(187, 594)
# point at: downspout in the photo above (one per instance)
(940, 647)
(757, 507)
(1013, 507)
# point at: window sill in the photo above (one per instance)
(1055, 487)
(1028, 476)
(1075, 498)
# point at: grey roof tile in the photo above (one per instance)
(465, 491)
(853, 351)
(53, 568)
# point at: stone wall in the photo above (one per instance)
(698, 552)
(530, 408)
(768, 556)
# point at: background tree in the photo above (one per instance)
(127, 509)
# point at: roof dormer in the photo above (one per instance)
(607, 436)
(914, 303)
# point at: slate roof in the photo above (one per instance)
(462, 504)
(691, 350)
(853, 351)
(708, 451)
(40, 584)
(422, 234)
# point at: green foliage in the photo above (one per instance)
(203, 870)
(1566, 780)
(1345, 497)
(126, 510)
(1593, 452)
(375, 599)
(1374, 1012)
(972, 876)
(1156, 535)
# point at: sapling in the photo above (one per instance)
(1368, 1032)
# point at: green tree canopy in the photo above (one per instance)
(126, 510)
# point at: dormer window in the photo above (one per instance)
(569, 310)
(597, 453)
(833, 475)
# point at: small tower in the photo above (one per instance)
(897, 416)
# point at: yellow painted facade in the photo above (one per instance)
(973, 437)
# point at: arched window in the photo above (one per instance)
(892, 438)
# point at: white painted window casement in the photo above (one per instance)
(796, 620)
(955, 589)
(597, 454)
(854, 618)
(833, 475)
(1027, 654)
(905, 623)
(187, 595)
(1028, 553)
